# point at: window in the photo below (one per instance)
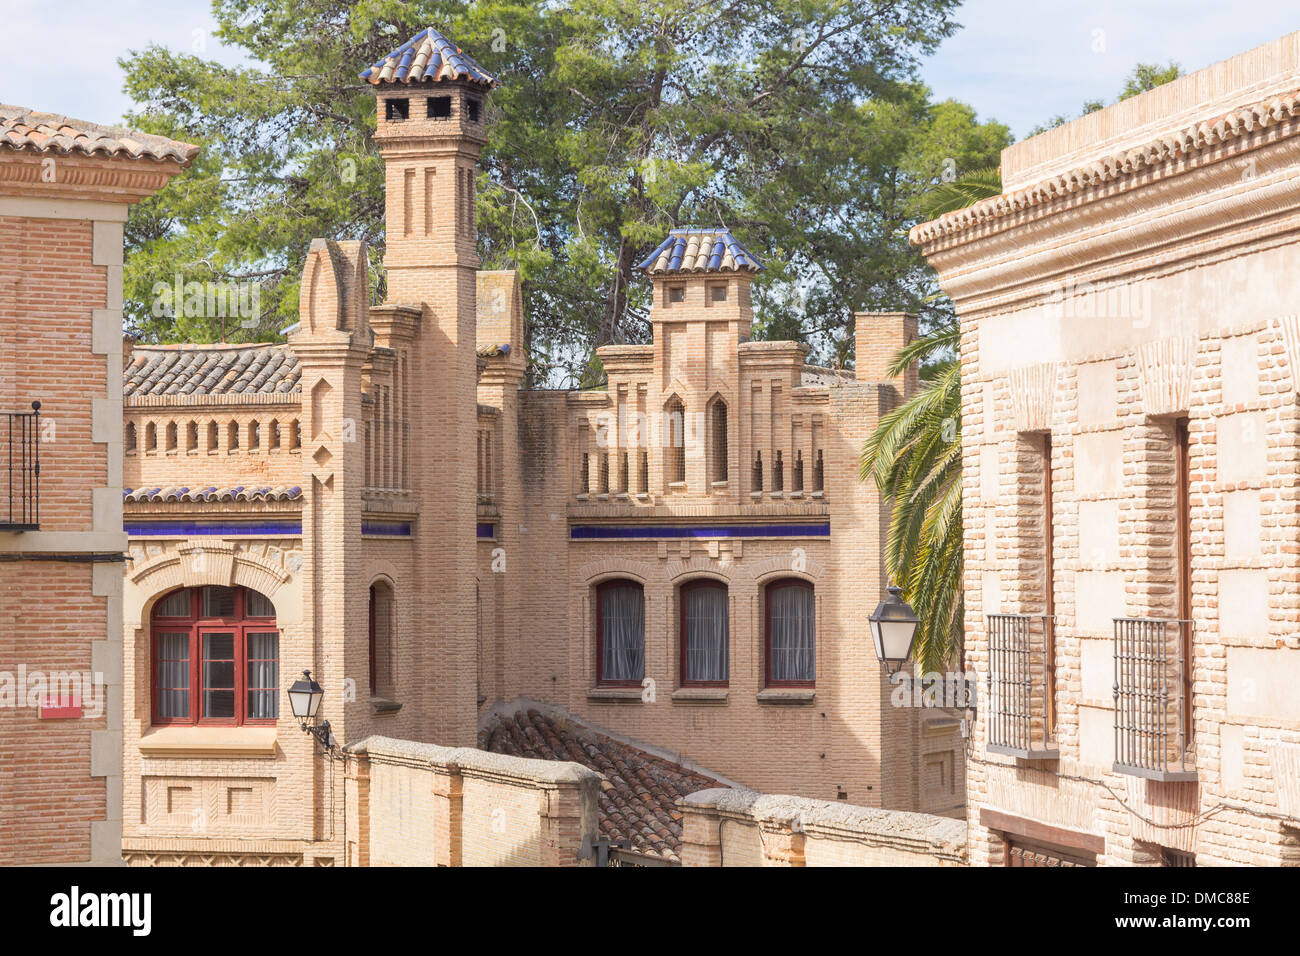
(675, 441)
(705, 633)
(381, 644)
(1049, 593)
(439, 107)
(790, 634)
(620, 633)
(130, 438)
(473, 107)
(1183, 534)
(216, 657)
(718, 422)
(396, 110)
(676, 293)
(717, 292)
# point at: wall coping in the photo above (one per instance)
(473, 760)
(944, 837)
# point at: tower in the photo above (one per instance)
(431, 99)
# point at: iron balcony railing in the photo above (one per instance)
(1021, 686)
(1151, 716)
(21, 471)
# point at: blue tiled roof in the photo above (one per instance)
(427, 57)
(700, 250)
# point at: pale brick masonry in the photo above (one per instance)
(1129, 332)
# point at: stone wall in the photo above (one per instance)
(743, 828)
(411, 804)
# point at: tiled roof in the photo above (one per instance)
(638, 801)
(213, 493)
(211, 370)
(427, 57)
(700, 250)
(1176, 146)
(21, 128)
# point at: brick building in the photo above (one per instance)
(65, 186)
(684, 558)
(1130, 363)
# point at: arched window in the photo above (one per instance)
(718, 439)
(216, 657)
(620, 633)
(675, 441)
(705, 633)
(790, 634)
(381, 639)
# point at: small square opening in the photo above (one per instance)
(396, 110)
(676, 293)
(717, 292)
(439, 107)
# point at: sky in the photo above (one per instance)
(1017, 61)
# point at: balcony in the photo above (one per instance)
(1152, 720)
(1022, 686)
(20, 508)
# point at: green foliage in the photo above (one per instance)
(798, 124)
(1144, 76)
(960, 193)
(914, 457)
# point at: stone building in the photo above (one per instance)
(65, 186)
(684, 559)
(1130, 364)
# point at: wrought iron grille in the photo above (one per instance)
(1151, 737)
(1020, 685)
(22, 470)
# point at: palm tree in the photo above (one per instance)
(914, 457)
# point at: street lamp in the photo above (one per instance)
(305, 696)
(893, 629)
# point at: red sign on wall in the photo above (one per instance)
(60, 708)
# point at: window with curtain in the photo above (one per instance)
(705, 633)
(216, 657)
(791, 633)
(620, 633)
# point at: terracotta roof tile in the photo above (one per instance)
(21, 128)
(202, 492)
(639, 796)
(212, 370)
(427, 57)
(700, 250)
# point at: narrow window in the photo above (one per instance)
(171, 436)
(757, 476)
(675, 435)
(705, 633)
(790, 635)
(719, 440)
(439, 107)
(1049, 592)
(473, 106)
(396, 110)
(151, 437)
(819, 473)
(130, 438)
(798, 470)
(254, 436)
(192, 437)
(232, 436)
(212, 436)
(586, 472)
(381, 629)
(778, 473)
(620, 633)
(1183, 542)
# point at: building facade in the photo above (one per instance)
(1130, 364)
(65, 187)
(685, 557)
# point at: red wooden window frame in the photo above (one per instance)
(600, 632)
(194, 625)
(767, 633)
(681, 631)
